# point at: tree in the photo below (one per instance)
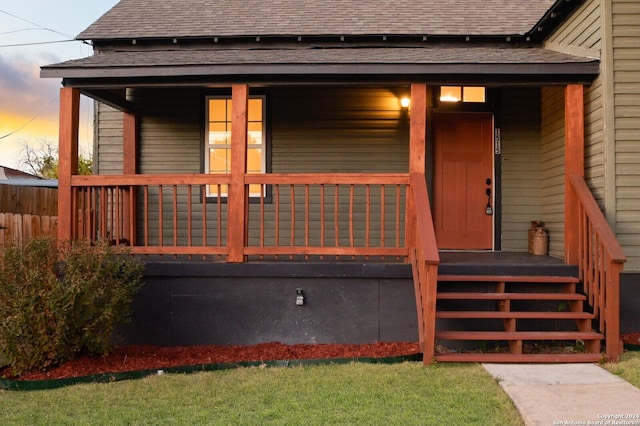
(42, 160)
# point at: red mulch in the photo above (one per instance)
(133, 358)
(631, 339)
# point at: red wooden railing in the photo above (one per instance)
(600, 261)
(423, 253)
(295, 214)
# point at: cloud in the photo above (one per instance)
(22, 91)
(27, 98)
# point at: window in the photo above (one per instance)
(218, 140)
(462, 93)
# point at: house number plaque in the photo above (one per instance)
(498, 142)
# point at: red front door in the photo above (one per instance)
(463, 181)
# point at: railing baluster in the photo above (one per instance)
(160, 216)
(336, 217)
(367, 231)
(175, 215)
(262, 216)
(322, 224)
(306, 217)
(397, 216)
(351, 215)
(146, 215)
(292, 203)
(382, 215)
(189, 216)
(277, 224)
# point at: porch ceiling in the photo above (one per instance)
(434, 64)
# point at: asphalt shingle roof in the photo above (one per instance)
(426, 56)
(135, 19)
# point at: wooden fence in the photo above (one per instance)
(16, 228)
(42, 201)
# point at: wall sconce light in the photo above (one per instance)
(405, 102)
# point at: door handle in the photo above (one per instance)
(489, 210)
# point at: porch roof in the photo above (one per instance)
(434, 63)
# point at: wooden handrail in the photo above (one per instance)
(597, 219)
(424, 256)
(600, 261)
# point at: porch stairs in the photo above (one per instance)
(514, 319)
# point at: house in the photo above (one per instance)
(360, 171)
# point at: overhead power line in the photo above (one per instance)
(25, 124)
(37, 25)
(37, 43)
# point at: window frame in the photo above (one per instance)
(207, 145)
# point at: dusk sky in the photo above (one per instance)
(35, 33)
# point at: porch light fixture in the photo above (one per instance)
(405, 102)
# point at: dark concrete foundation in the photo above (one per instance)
(205, 303)
(198, 303)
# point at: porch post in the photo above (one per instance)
(130, 143)
(574, 165)
(237, 194)
(130, 167)
(68, 159)
(417, 149)
(418, 129)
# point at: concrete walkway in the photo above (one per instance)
(568, 394)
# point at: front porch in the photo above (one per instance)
(327, 216)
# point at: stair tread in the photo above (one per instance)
(559, 279)
(517, 358)
(516, 314)
(518, 335)
(509, 296)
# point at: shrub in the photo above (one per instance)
(60, 300)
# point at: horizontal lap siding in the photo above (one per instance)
(350, 130)
(553, 167)
(626, 52)
(581, 34)
(521, 191)
(108, 140)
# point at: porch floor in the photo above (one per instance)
(502, 263)
(451, 263)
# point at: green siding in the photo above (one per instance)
(553, 167)
(336, 129)
(519, 120)
(108, 140)
(626, 69)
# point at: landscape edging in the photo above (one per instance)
(32, 385)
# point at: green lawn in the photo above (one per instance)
(367, 394)
(628, 368)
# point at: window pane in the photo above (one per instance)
(219, 160)
(255, 190)
(474, 94)
(451, 93)
(221, 138)
(255, 110)
(254, 160)
(255, 127)
(217, 109)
